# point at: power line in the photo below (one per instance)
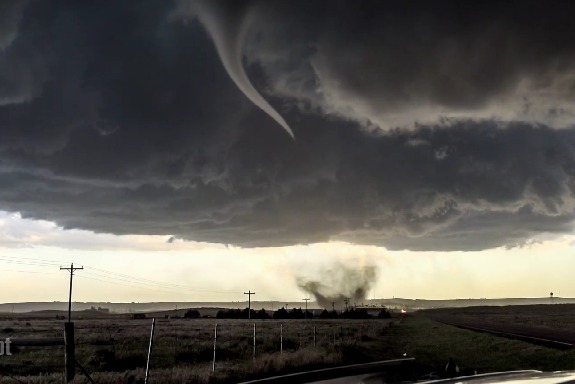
(108, 276)
(31, 259)
(26, 262)
(142, 281)
(104, 279)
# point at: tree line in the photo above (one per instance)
(294, 313)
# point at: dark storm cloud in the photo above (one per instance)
(394, 64)
(121, 118)
(10, 15)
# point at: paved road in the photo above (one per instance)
(360, 379)
(352, 374)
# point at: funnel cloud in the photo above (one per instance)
(338, 282)
(227, 23)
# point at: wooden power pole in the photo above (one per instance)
(71, 269)
(249, 293)
(70, 354)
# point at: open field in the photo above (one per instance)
(114, 349)
(432, 343)
(554, 317)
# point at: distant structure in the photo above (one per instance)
(305, 314)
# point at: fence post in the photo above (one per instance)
(341, 332)
(314, 335)
(69, 355)
(254, 351)
(215, 339)
(281, 338)
(150, 350)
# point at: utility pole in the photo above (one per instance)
(305, 314)
(249, 293)
(71, 269)
(70, 351)
(333, 306)
(346, 301)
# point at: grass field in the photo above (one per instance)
(184, 348)
(559, 316)
(432, 344)
(115, 349)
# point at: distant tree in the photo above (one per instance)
(280, 314)
(191, 314)
(296, 313)
(230, 314)
(328, 315)
(242, 314)
(324, 314)
(384, 314)
(354, 314)
(261, 314)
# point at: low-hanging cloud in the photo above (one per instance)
(136, 128)
(399, 64)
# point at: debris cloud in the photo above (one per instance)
(339, 282)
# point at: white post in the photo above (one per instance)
(254, 351)
(215, 339)
(314, 333)
(150, 350)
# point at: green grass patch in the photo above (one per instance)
(433, 343)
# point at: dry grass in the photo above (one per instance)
(183, 348)
(431, 344)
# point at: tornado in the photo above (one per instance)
(227, 22)
(338, 282)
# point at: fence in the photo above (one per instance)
(122, 344)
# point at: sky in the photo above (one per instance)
(192, 150)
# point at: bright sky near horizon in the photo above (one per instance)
(31, 252)
(190, 150)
